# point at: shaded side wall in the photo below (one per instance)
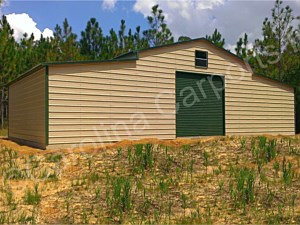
(27, 110)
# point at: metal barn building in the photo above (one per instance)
(185, 89)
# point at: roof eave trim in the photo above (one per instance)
(41, 65)
(27, 73)
(90, 61)
(132, 55)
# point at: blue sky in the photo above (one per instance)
(49, 13)
(194, 18)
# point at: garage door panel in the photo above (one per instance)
(200, 105)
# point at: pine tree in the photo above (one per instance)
(277, 33)
(66, 42)
(44, 50)
(110, 45)
(122, 36)
(216, 39)
(91, 40)
(27, 52)
(113, 44)
(140, 42)
(129, 41)
(9, 62)
(159, 33)
(242, 47)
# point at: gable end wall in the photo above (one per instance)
(112, 101)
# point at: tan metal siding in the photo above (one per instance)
(27, 110)
(105, 102)
(108, 102)
(254, 105)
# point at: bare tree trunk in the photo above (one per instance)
(280, 62)
(2, 105)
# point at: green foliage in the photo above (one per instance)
(94, 177)
(32, 197)
(216, 39)
(159, 33)
(287, 173)
(266, 150)
(243, 190)
(66, 41)
(277, 35)
(276, 167)
(163, 187)
(142, 159)
(262, 142)
(184, 200)
(243, 142)
(186, 149)
(270, 150)
(10, 168)
(119, 199)
(183, 38)
(242, 47)
(91, 42)
(54, 158)
(97, 193)
(206, 158)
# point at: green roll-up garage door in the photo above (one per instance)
(200, 105)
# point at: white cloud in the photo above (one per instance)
(184, 17)
(23, 23)
(208, 4)
(197, 18)
(144, 7)
(109, 4)
(231, 47)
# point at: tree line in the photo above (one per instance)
(276, 54)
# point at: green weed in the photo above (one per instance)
(287, 173)
(97, 193)
(33, 197)
(276, 167)
(163, 187)
(184, 199)
(206, 159)
(119, 199)
(185, 149)
(54, 158)
(243, 142)
(142, 159)
(243, 192)
(94, 177)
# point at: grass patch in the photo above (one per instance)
(33, 197)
